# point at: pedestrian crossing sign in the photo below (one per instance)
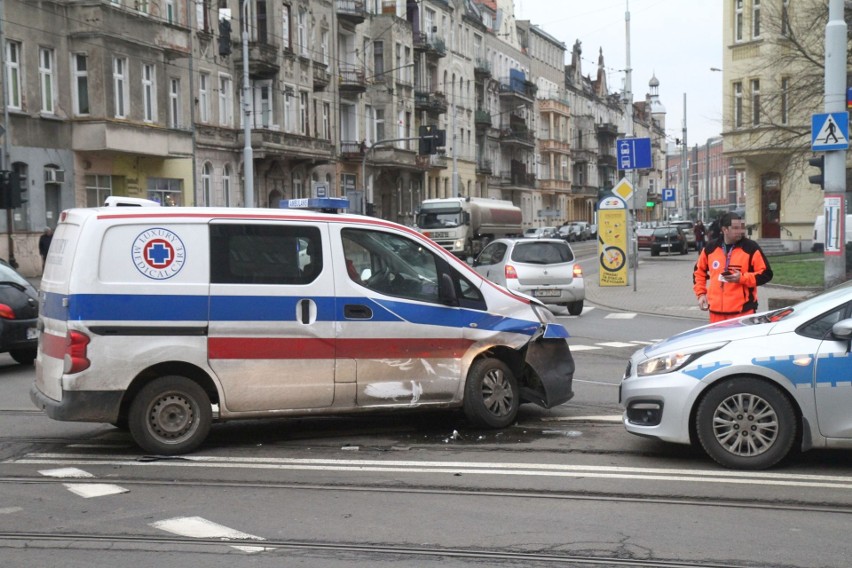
(830, 131)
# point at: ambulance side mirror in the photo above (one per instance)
(447, 290)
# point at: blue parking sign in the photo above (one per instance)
(668, 194)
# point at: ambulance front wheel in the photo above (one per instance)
(491, 397)
(170, 415)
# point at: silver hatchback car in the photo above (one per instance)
(542, 268)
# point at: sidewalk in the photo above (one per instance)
(664, 287)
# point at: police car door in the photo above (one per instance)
(405, 342)
(832, 375)
(271, 334)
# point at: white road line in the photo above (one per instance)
(199, 527)
(616, 344)
(620, 316)
(89, 490)
(643, 342)
(584, 347)
(600, 418)
(469, 468)
(10, 510)
(66, 472)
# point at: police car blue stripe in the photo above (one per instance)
(795, 373)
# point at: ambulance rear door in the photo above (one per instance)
(271, 334)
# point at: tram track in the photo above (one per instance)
(45, 540)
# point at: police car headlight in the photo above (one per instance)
(544, 315)
(675, 360)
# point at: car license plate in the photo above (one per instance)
(32, 333)
(546, 292)
(439, 234)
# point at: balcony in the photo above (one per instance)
(607, 160)
(563, 185)
(554, 106)
(350, 150)
(481, 69)
(297, 147)
(555, 146)
(263, 60)
(583, 155)
(482, 119)
(321, 75)
(523, 91)
(434, 46)
(483, 167)
(432, 161)
(351, 11)
(513, 137)
(607, 129)
(434, 104)
(351, 79)
(517, 179)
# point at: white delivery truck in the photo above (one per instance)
(163, 320)
(464, 226)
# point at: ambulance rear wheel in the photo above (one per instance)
(491, 397)
(170, 415)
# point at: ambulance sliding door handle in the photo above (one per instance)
(304, 311)
(357, 311)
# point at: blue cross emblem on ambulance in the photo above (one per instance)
(158, 253)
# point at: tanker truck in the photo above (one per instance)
(464, 226)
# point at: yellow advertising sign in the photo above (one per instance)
(612, 241)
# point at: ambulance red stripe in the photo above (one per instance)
(53, 345)
(301, 348)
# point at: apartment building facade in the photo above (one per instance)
(150, 99)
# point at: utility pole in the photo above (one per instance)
(6, 162)
(248, 155)
(628, 112)
(684, 170)
(835, 160)
(705, 211)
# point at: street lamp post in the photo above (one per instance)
(248, 154)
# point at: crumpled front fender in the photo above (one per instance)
(549, 367)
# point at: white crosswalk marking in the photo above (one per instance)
(584, 348)
(67, 472)
(88, 490)
(620, 316)
(616, 344)
(199, 527)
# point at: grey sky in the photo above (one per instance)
(678, 40)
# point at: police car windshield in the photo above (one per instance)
(439, 218)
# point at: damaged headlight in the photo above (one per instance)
(675, 360)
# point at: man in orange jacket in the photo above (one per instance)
(728, 272)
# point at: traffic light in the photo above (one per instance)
(431, 139)
(12, 190)
(819, 162)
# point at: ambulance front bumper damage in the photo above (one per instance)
(549, 367)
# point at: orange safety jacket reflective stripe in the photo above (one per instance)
(731, 298)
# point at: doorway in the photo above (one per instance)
(770, 205)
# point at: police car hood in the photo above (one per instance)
(730, 330)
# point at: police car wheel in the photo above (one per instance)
(170, 415)
(491, 397)
(746, 423)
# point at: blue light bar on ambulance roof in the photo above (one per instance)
(325, 204)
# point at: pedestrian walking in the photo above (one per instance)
(728, 272)
(44, 245)
(699, 231)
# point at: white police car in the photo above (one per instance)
(750, 389)
(164, 320)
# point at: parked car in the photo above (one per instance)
(644, 237)
(750, 389)
(670, 239)
(544, 269)
(688, 229)
(541, 233)
(18, 316)
(575, 231)
(593, 231)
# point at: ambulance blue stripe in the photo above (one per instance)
(132, 307)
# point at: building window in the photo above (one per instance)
(204, 97)
(378, 58)
(119, 85)
(45, 74)
(174, 103)
(206, 180)
(149, 93)
(226, 101)
(324, 46)
(738, 20)
(171, 13)
(79, 67)
(755, 18)
(785, 17)
(168, 192)
(304, 126)
(285, 27)
(785, 92)
(13, 74)
(738, 104)
(303, 33)
(226, 184)
(755, 102)
(98, 188)
(262, 115)
(288, 109)
(298, 188)
(326, 121)
(261, 21)
(202, 8)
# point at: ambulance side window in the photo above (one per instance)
(264, 254)
(390, 264)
